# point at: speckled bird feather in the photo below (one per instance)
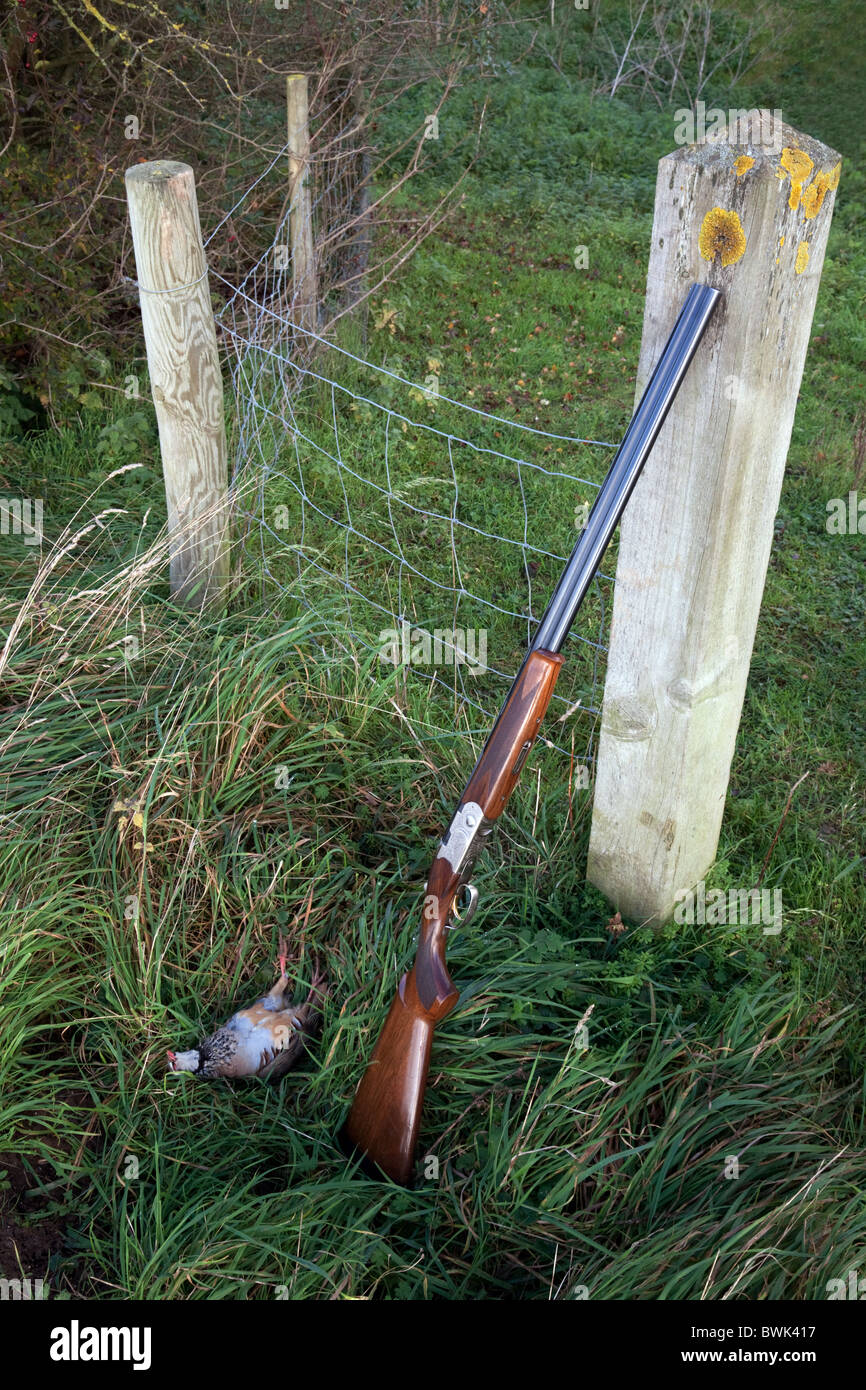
(263, 1040)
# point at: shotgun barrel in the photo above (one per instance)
(626, 468)
(383, 1123)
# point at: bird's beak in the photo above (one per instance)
(184, 1061)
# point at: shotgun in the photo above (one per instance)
(382, 1126)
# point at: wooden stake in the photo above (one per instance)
(748, 213)
(305, 299)
(182, 357)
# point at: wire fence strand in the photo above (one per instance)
(433, 521)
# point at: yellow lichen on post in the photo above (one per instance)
(743, 165)
(722, 235)
(822, 184)
(799, 166)
(813, 197)
(802, 257)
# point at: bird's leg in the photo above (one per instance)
(282, 984)
(282, 959)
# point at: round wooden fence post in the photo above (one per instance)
(186, 383)
(749, 213)
(305, 307)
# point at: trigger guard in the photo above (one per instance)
(462, 918)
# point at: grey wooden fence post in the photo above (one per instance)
(748, 213)
(183, 361)
(305, 296)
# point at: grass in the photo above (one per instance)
(566, 1160)
(670, 1114)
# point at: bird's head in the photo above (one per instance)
(184, 1061)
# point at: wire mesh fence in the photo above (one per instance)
(441, 526)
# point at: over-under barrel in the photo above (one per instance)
(624, 471)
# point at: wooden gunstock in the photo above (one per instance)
(504, 754)
(385, 1117)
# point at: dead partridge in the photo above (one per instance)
(264, 1040)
